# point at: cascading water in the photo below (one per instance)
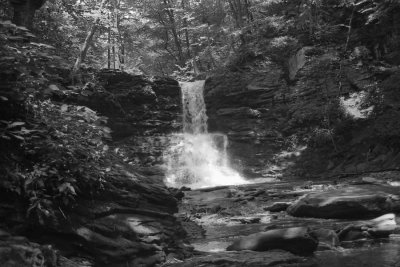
(195, 157)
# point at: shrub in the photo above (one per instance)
(64, 155)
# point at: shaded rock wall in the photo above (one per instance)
(127, 221)
(127, 218)
(302, 126)
(242, 105)
(141, 112)
(131, 221)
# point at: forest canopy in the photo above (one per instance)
(185, 36)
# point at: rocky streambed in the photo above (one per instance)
(348, 222)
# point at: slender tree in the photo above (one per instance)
(173, 27)
(186, 25)
(87, 42)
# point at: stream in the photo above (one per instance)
(220, 206)
(215, 217)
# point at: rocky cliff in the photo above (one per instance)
(118, 214)
(316, 114)
(141, 112)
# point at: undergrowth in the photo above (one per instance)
(50, 153)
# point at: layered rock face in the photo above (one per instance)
(141, 113)
(127, 218)
(239, 105)
(350, 202)
(129, 221)
(309, 117)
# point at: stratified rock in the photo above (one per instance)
(296, 240)
(277, 206)
(267, 106)
(247, 259)
(350, 202)
(380, 227)
(141, 112)
(128, 221)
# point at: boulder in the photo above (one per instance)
(380, 227)
(347, 203)
(327, 238)
(296, 240)
(277, 206)
(245, 258)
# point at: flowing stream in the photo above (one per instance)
(196, 158)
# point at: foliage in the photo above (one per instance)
(50, 152)
(64, 156)
(162, 37)
(67, 158)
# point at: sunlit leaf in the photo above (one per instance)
(64, 108)
(15, 124)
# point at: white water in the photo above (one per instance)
(196, 158)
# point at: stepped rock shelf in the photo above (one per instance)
(128, 220)
(234, 225)
(134, 220)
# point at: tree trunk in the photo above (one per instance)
(85, 46)
(109, 47)
(122, 55)
(120, 44)
(113, 50)
(247, 5)
(237, 12)
(177, 41)
(166, 43)
(112, 34)
(185, 24)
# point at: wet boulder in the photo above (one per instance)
(296, 240)
(244, 258)
(277, 206)
(380, 227)
(327, 238)
(359, 202)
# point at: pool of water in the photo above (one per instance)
(379, 253)
(221, 229)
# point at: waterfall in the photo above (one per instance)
(194, 108)
(196, 158)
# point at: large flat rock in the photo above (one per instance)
(350, 202)
(296, 240)
(248, 259)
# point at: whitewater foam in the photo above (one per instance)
(196, 158)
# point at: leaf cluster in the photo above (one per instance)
(50, 153)
(64, 155)
(66, 158)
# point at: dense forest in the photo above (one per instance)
(305, 91)
(194, 37)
